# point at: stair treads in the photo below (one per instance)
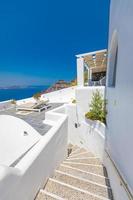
(94, 161)
(78, 151)
(85, 175)
(80, 177)
(89, 168)
(69, 192)
(83, 154)
(85, 185)
(44, 195)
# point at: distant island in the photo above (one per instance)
(60, 84)
(13, 87)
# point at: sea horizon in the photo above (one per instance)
(20, 93)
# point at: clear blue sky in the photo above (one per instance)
(40, 38)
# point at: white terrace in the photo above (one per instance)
(30, 156)
(56, 154)
(76, 159)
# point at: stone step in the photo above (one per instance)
(84, 174)
(80, 177)
(44, 195)
(71, 149)
(89, 186)
(85, 160)
(96, 169)
(69, 192)
(77, 151)
(81, 155)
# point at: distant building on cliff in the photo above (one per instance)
(61, 84)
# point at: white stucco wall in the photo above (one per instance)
(61, 96)
(24, 180)
(120, 98)
(89, 136)
(13, 141)
(64, 95)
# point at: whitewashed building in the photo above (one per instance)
(56, 154)
(119, 142)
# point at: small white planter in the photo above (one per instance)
(96, 124)
(90, 122)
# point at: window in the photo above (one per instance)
(112, 61)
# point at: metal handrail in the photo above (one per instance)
(123, 181)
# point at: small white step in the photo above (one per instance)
(84, 164)
(96, 169)
(83, 154)
(84, 160)
(77, 151)
(50, 195)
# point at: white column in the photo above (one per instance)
(80, 71)
(90, 74)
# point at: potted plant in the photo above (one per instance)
(37, 96)
(97, 110)
(74, 101)
(13, 102)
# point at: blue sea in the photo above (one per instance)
(22, 93)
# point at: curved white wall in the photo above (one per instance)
(24, 180)
(13, 141)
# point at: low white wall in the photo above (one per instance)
(64, 95)
(5, 105)
(85, 135)
(61, 96)
(32, 171)
(22, 101)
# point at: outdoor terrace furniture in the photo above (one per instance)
(34, 106)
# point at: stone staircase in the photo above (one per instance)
(80, 177)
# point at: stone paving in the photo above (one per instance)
(35, 119)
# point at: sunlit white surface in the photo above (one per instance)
(13, 142)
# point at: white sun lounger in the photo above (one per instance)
(37, 107)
